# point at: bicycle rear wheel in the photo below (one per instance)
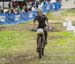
(40, 47)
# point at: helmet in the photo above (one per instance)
(39, 12)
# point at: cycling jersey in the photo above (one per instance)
(41, 20)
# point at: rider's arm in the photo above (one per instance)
(46, 19)
(33, 24)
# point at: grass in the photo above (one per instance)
(13, 39)
(70, 12)
(52, 17)
(23, 43)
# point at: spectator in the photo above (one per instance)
(25, 9)
(29, 5)
(37, 3)
(14, 4)
(10, 5)
(11, 11)
(18, 9)
(1, 10)
(47, 0)
(33, 8)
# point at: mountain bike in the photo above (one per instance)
(40, 42)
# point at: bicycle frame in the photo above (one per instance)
(40, 44)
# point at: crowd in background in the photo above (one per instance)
(17, 7)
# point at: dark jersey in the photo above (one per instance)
(41, 20)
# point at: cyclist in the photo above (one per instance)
(42, 23)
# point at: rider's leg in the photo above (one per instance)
(43, 44)
(38, 44)
(46, 34)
